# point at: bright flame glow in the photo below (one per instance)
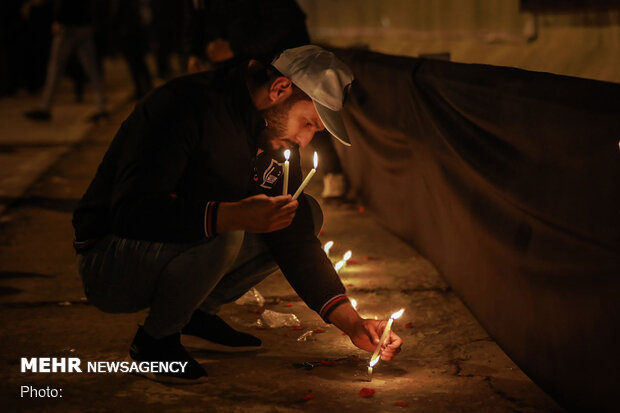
(373, 361)
(347, 256)
(354, 303)
(328, 246)
(339, 265)
(316, 160)
(397, 314)
(287, 154)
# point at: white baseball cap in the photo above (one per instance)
(324, 78)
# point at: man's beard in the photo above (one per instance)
(276, 119)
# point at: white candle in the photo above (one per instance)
(343, 262)
(310, 174)
(287, 154)
(370, 368)
(375, 356)
(327, 247)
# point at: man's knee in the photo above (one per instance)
(317, 213)
(229, 245)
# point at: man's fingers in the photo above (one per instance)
(391, 347)
(281, 200)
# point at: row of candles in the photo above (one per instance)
(343, 262)
(386, 331)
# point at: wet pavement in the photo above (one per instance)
(448, 362)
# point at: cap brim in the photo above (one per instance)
(333, 123)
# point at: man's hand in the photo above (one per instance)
(219, 50)
(259, 213)
(195, 65)
(365, 333)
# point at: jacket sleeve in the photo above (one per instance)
(154, 146)
(298, 253)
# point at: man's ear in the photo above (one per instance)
(280, 90)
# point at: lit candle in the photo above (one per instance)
(370, 368)
(287, 154)
(310, 174)
(375, 356)
(327, 247)
(354, 303)
(340, 264)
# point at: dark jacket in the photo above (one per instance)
(189, 142)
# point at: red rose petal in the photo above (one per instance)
(285, 334)
(318, 331)
(289, 304)
(402, 404)
(351, 262)
(297, 328)
(362, 210)
(259, 310)
(366, 392)
(308, 396)
(408, 325)
(328, 363)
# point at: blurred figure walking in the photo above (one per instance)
(73, 29)
(130, 38)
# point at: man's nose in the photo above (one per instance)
(304, 139)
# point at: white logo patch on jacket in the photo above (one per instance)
(271, 174)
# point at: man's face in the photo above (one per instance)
(289, 124)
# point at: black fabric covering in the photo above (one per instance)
(509, 182)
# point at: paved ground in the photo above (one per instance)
(448, 362)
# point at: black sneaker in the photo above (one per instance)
(209, 332)
(38, 115)
(146, 348)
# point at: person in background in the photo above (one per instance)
(130, 38)
(220, 30)
(73, 29)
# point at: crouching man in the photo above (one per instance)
(186, 211)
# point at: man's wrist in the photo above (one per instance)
(228, 217)
(345, 317)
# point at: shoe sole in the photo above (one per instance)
(202, 344)
(166, 379)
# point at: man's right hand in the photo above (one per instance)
(259, 213)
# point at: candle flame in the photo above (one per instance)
(339, 265)
(328, 246)
(354, 303)
(347, 256)
(397, 314)
(316, 160)
(373, 361)
(287, 154)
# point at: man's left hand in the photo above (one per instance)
(367, 334)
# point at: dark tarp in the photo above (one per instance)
(509, 182)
